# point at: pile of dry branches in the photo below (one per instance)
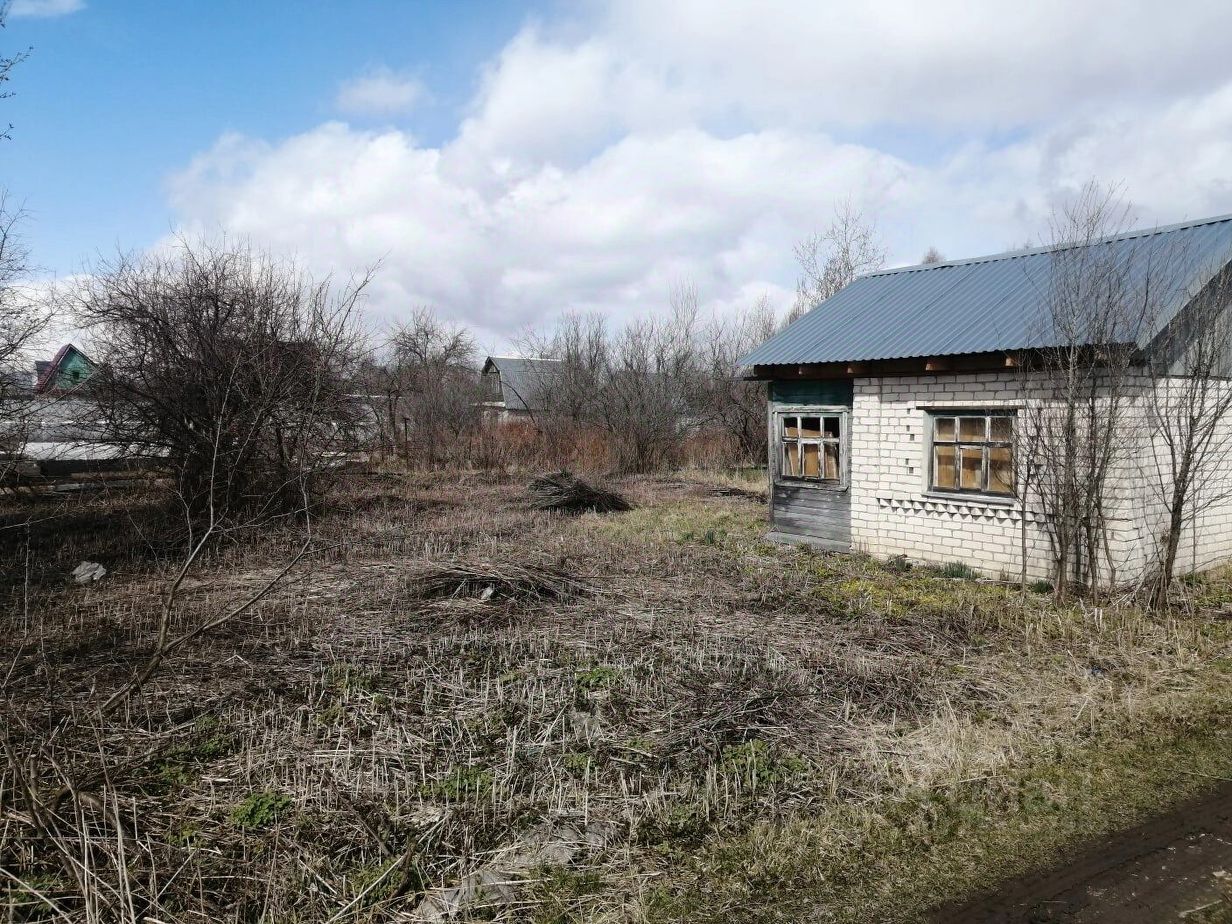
(504, 580)
(568, 493)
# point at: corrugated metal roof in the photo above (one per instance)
(986, 304)
(523, 379)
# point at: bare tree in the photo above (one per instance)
(7, 63)
(1189, 417)
(932, 255)
(723, 399)
(643, 402)
(831, 259)
(21, 321)
(1073, 431)
(633, 385)
(429, 387)
(230, 370)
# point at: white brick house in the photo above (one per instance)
(893, 408)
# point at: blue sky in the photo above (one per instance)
(507, 162)
(120, 93)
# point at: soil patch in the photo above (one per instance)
(1155, 872)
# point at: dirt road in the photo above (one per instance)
(1153, 873)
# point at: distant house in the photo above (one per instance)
(517, 387)
(65, 372)
(56, 425)
(894, 410)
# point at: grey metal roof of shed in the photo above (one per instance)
(523, 379)
(982, 304)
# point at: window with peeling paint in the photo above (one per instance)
(811, 446)
(973, 452)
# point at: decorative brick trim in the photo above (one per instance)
(957, 509)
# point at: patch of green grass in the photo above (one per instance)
(208, 742)
(597, 677)
(364, 875)
(260, 809)
(558, 893)
(685, 820)
(331, 715)
(954, 570)
(577, 762)
(342, 677)
(186, 834)
(689, 522)
(759, 766)
(461, 783)
(21, 901)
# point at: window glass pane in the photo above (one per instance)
(1001, 429)
(971, 429)
(832, 462)
(812, 460)
(943, 429)
(971, 473)
(1000, 470)
(810, 427)
(943, 467)
(790, 427)
(791, 461)
(832, 427)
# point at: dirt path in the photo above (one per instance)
(1152, 873)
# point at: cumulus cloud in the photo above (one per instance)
(693, 141)
(44, 9)
(379, 92)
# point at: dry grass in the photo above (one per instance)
(651, 715)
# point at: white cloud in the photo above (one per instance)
(379, 92)
(44, 9)
(698, 141)
(952, 62)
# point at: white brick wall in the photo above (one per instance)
(892, 512)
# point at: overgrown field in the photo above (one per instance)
(460, 703)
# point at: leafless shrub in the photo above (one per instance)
(722, 400)
(228, 369)
(633, 385)
(566, 492)
(21, 321)
(424, 392)
(652, 389)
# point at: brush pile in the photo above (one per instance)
(490, 581)
(568, 493)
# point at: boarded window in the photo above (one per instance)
(812, 446)
(973, 452)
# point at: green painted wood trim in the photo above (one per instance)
(812, 391)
